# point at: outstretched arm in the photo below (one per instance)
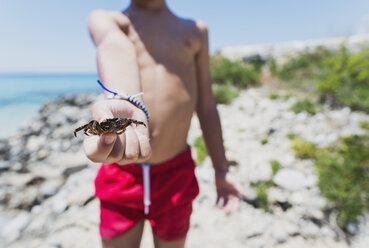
(118, 70)
(227, 188)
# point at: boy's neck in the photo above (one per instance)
(154, 5)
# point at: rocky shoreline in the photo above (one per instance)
(46, 183)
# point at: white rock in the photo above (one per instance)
(51, 187)
(279, 234)
(309, 229)
(33, 143)
(291, 179)
(277, 194)
(59, 203)
(255, 229)
(14, 227)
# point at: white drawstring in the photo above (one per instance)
(146, 187)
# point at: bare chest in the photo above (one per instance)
(174, 49)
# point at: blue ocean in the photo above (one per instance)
(21, 96)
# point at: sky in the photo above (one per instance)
(46, 36)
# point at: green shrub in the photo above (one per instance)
(274, 96)
(364, 125)
(345, 78)
(344, 177)
(224, 94)
(338, 77)
(264, 141)
(201, 151)
(305, 105)
(343, 174)
(304, 149)
(292, 136)
(236, 73)
(302, 67)
(263, 187)
(276, 166)
(262, 194)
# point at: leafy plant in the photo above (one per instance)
(201, 151)
(262, 193)
(304, 149)
(292, 136)
(364, 125)
(345, 78)
(303, 66)
(236, 73)
(344, 177)
(224, 94)
(343, 174)
(264, 141)
(305, 105)
(340, 78)
(274, 96)
(276, 166)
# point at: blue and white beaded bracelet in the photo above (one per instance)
(131, 99)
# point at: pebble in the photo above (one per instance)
(292, 180)
(12, 229)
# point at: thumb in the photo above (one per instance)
(98, 147)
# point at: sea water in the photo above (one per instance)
(22, 96)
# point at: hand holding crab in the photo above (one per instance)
(115, 140)
(112, 125)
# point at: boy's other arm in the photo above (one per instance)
(118, 70)
(228, 189)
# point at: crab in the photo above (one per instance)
(113, 125)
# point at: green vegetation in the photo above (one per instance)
(364, 125)
(264, 141)
(301, 68)
(276, 166)
(201, 151)
(224, 94)
(343, 173)
(262, 193)
(345, 79)
(229, 77)
(338, 77)
(291, 136)
(274, 96)
(238, 74)
(263, 187)
(304, 149)
(305, 105)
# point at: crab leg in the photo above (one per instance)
(79, 129)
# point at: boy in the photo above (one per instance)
(147, 48)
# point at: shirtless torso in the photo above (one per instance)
(166, 47)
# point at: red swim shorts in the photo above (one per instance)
(173, 187)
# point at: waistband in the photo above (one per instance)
(182, 159)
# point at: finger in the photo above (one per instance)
(217, 201)
(225, 202)
(132, 149)
(117, 153)
(97, 148)
(232, 205)
(145, 147)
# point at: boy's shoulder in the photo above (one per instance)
(101, 15)
(195, 30)
(198, 26)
